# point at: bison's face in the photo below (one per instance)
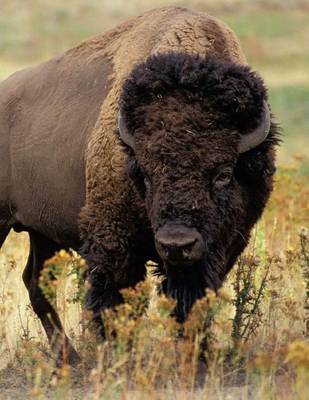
(197, 207)
(202, 197)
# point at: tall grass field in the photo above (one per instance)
(254, 335)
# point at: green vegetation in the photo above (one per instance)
(276, 45)
(275, 41)
(267, 24)
(257, 346)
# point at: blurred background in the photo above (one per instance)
(274, 35)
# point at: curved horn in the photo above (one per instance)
(259, 134)
(123, 131)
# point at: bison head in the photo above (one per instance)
(201, 155)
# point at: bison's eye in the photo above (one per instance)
(223, 177)
(147, 183)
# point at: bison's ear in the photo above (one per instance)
(259, 162)
(255, 165)
(124, 134)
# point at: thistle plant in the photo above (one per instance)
(304, 258)
(248, 298)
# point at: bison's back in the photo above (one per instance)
(47, 114)
(169, 29)
(50, 110)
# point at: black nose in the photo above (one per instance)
(178, 244)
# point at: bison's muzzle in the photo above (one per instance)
(179, 245)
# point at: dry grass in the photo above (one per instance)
(258, 328)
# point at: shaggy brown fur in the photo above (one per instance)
(187, 114)
(158, 31)
(187, 97)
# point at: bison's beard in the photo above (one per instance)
(188, 284)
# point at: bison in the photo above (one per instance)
(151, 141)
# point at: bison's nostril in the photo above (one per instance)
(188, 247)
(186, 253)
(165, 250)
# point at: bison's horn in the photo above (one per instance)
(259, 134)
(123, 131)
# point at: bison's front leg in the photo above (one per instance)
(102, 294)
(108, 273)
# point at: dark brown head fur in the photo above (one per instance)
(187, 115)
